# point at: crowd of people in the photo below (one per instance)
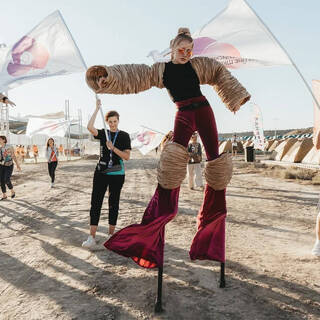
(32, 152)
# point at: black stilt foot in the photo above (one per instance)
(222, 276)
(158, 305)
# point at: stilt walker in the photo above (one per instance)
(182, 77)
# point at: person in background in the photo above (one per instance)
(234, 142)
(28, 152)
(77, 150)
(194, 164)
(22, 153)
(17, 152)
(52, 157)
(35, 153)
(60, 150)
(316, 248)
(7, 156)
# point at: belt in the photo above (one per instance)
(194, 105)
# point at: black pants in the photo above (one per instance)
(100, 184)
(5, 177)
(52, 166)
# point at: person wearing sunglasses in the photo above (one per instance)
(182, 77)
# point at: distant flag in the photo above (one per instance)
(316, 114)
(49, 127)
(146, 140)
(237, 38)
(46, 51)
(259, 140)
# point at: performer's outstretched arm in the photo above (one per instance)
(229, 89)
(125, 78)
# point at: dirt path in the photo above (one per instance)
(45, 274)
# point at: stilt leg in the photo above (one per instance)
(158, 305)
(222, 277)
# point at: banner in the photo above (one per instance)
(237, 38)
(316, 114)
(259, 140)
(49, 127)
(46, 51)
(146, 140)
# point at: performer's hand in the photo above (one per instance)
(235, 109)
(102, 82)
(98, 103)
(110, 145)
(12, 104)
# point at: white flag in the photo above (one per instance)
(237, 38)
(49, 127)
(48, 50)
(146, 140)
(259, 140)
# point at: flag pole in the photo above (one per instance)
(285, 51)
(103, 121)
(153, 130)
(69, 34)
(84, 63)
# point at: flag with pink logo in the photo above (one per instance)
(48, 50)
(237, 38)
(146, 140)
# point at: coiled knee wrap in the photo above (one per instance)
(218, 172)
(172, 168)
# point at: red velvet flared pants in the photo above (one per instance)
(144, 242)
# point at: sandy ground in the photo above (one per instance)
(45, 274)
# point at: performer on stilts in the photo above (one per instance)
(182, 77)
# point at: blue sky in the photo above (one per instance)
(110, 32)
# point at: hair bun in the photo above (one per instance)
(184, 31)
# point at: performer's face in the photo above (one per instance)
(182, 52)
(2, 142)
(113, 123)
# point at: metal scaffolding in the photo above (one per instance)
(4, 119)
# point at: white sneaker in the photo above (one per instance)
(316, 249)
(89, 243)
(52, 184)
(108, 236)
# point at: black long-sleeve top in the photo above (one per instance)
(181, 81)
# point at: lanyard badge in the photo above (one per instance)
(110, 164)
